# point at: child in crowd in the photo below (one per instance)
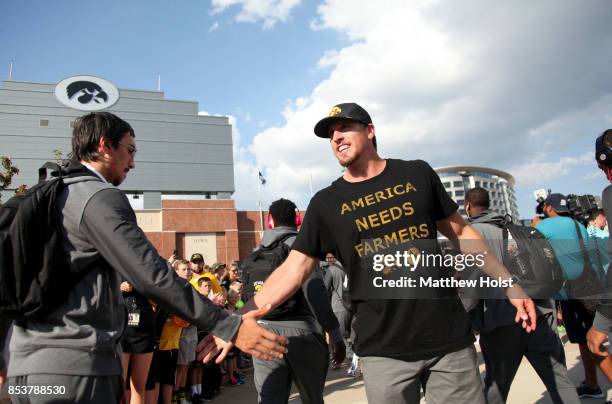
(235, 378)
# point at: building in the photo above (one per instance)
(184, 178)
(500, 184)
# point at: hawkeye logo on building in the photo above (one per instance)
(86, 93)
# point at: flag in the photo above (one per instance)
(262, 179)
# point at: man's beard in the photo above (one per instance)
(346, 163)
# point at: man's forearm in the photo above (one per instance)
(471, 242)
(284, 281)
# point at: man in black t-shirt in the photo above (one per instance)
(405, 336)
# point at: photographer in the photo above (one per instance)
(561, 230)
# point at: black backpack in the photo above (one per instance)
(35, 275)
(259, 265)
(530, 257)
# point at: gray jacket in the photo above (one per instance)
(495, 310)
(313, 289)
(334, 281)
(101, 237)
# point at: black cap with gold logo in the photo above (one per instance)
(349, 110)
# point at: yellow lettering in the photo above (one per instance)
(397, 189)
(378, 244)
(362, 224)
(389, 193)
(357, 204)
(408, 209)
(345, 208)
(367, 249)
(396, 212)
(391, 238)
(414, 232)
(380, 195)
(424, 230)
(403, 235)
(369, 199)
(359, 249)
(410, 187)
(373, 218)
(384, 216)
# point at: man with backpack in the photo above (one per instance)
(306, 362)
(503, 342)
(74, 347)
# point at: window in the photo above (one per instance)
(459, 193)
(446, 184)
(44, 123)
(478, 183)
(462, 211)
(460, 202)
(457, 184)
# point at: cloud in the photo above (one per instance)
(214, 27)
(330, 58)
(495, 84)
(268, 11)
(549, 171)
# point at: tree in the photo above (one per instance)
(6, 175)
(58, 156)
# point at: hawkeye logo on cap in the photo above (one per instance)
(334, 111)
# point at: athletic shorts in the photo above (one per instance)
(187, 346)
(166, 367)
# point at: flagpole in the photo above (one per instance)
(311, 193)
(260, 207)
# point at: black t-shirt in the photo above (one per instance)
(388, 212)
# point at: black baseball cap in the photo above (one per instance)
(558, 202)
(197, 257)
(348, 110)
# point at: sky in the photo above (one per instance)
(520, 86)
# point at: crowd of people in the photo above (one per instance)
(138, 328)
(159, 348)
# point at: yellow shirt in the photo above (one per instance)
(171, 333)
(214, 282)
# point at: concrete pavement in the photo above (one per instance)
(339, 389)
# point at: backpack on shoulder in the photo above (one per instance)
(531, 259)
(35, 275)
(258, 266)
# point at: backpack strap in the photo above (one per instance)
(42, 171)
(583, 250)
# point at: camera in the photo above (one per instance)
(582, 206)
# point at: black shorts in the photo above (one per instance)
(166, 366)
(577, 319)
(136, 340)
